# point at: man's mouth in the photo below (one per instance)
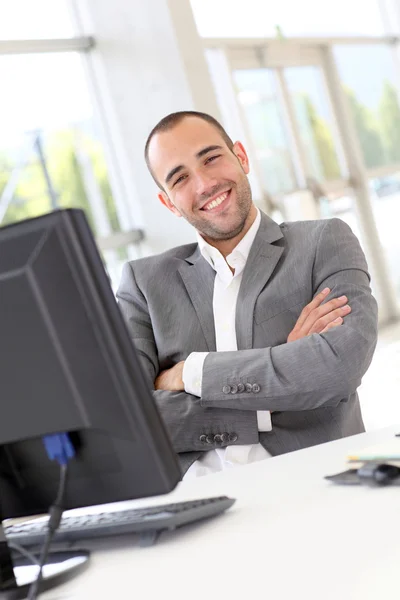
(217, 203)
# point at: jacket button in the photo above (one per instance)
(234, 389)
(209, 439)
(203, 439)
(218, 439)
(224, 438)
(233, 437)
(249, 387)
(256, 388)
(226, 389)
(240, 388)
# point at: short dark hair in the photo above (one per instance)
(170, 121)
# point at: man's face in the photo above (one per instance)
(203, 181)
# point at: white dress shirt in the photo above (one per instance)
(226, 290)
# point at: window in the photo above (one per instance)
(51, 150)
(258, 97)
(372, 94)
(36, 19)
(314, 121)
(266, 18)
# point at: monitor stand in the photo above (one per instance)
(17, 572)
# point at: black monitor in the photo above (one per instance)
(67, 364)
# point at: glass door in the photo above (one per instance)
(294, 137)
(302, 136)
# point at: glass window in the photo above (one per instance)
(372, 94)
(385, 194)
(257, 95)
(35, 19)
(266, 18)
(314, 121)
(50, 152)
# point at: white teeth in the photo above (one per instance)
(216, 202)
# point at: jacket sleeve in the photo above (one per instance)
(183, 414)
(315, 371)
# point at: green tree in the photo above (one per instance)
(368, 133)
(66, 175)
(31, 196)
(389, 121)
(4, 170)
(323, 141)
(96, 154)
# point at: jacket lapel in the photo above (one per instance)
(260, 265)
(198, 277)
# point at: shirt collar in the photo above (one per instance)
(240, 252)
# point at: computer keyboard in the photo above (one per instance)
(152, 519)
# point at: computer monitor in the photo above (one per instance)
(67, 364)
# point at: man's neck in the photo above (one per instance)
(227, 246)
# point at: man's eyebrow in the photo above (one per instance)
(199, 154)
(173, 172)
(206, 150)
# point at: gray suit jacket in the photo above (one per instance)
(310, 384)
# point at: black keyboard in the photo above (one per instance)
(150, 520)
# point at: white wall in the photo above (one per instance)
(148, 62)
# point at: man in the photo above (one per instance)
(257, 337)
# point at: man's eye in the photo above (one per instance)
(181, 178)
(211, 158)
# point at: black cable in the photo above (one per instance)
(55, 514)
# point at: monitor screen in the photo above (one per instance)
(67, 364)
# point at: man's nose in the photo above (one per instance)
(204, 183)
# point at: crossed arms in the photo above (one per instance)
(321, 364)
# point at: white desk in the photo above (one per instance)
(291, 535)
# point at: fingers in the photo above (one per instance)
(159, 383)
(317, 301)
(325, 320)
(170, 379)
(319, 317)
(316, 316)
(336, 323)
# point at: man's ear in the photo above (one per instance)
(164, 199)
(241, 154)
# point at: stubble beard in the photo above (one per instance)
(212, 231)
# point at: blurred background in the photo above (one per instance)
(310, 87)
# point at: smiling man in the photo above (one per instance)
(219, 206)
(256, 337)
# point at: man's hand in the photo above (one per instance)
(314, 318)
(319, 318)
(171, 379)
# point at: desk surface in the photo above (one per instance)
(291, 534)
